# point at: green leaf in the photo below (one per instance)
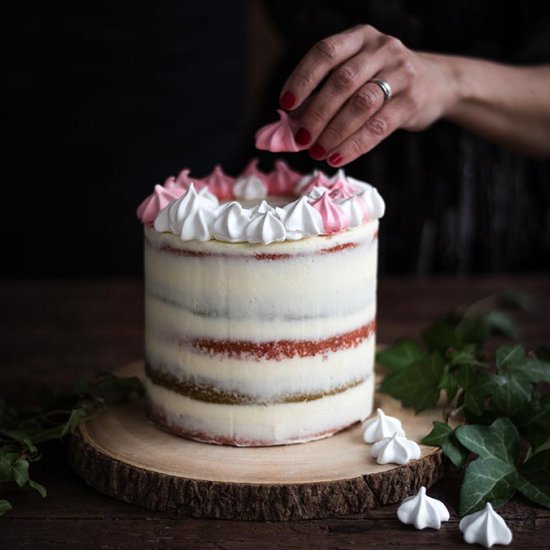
(6, 465)
(498, 441)
(418, 385)
(21, 437)
(442, 435)
(512, 297)
(477, 327)
(466, 357)
(20, 471)
(534, 478)
(441, 337)
(487, 480)
(508, 355)
(76, 416)
(38, 487)
(400, 355)
(449, 383)
(478, 386)
(4, 506)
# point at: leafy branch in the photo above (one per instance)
(56, 415)
(501, 396)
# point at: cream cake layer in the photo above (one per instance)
(257, 424)
(264, 380)
(167, 318)
(298, 285)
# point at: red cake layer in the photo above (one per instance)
(279, 349)
(260, 256)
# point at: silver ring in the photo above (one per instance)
(384, 86)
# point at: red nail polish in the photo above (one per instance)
(317, 152)
(335, 159)
(302, 137)
(287, 100)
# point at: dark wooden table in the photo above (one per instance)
(60, 331)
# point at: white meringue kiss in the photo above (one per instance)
(174, 214)
(231, 222)
(301, 220)
(422, 511)
(381, 427)
(485, 527)
(395, 450)
(353, 209)
(250, 188)
(265, 228)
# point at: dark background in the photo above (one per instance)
(101, 100)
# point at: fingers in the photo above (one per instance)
(361, 106)
(370, 134)
(341, 84)
(317, 63)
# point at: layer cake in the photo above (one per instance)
(260, 300)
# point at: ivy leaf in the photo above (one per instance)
(76, 416)
(449, 383)
(6, 460)
(20, 471)
(487, 480)
(4, 506)
(466, 357)
(498, 441)
(21, 437)
(534, 478)
(441, 337)
(442, 435)
(40, 489)
(418, 385)
(512, 297)
(400, 355)
(476, 328)
(535, 422)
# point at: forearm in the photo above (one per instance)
(506, 104)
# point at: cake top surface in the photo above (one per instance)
(260, 208)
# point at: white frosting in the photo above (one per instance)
(265, 228)
(395, 450)
(301, 219)
(381, 427)
(231, 223)
(250, 188)
(485, 527)
(198, 216)
(423, 511)
(275, 424)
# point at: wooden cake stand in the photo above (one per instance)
(122, 454)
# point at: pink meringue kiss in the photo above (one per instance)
(341, 189)
(154, 203)
(278, 137)
(319, 179)
(334, 218)
(219, 183)
(282, 180)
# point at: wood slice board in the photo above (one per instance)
(122, 454)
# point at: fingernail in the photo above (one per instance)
(287, 100)
(302, 137)
(335, 159)
(317, 152)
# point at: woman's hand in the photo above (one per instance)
(348, 115)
